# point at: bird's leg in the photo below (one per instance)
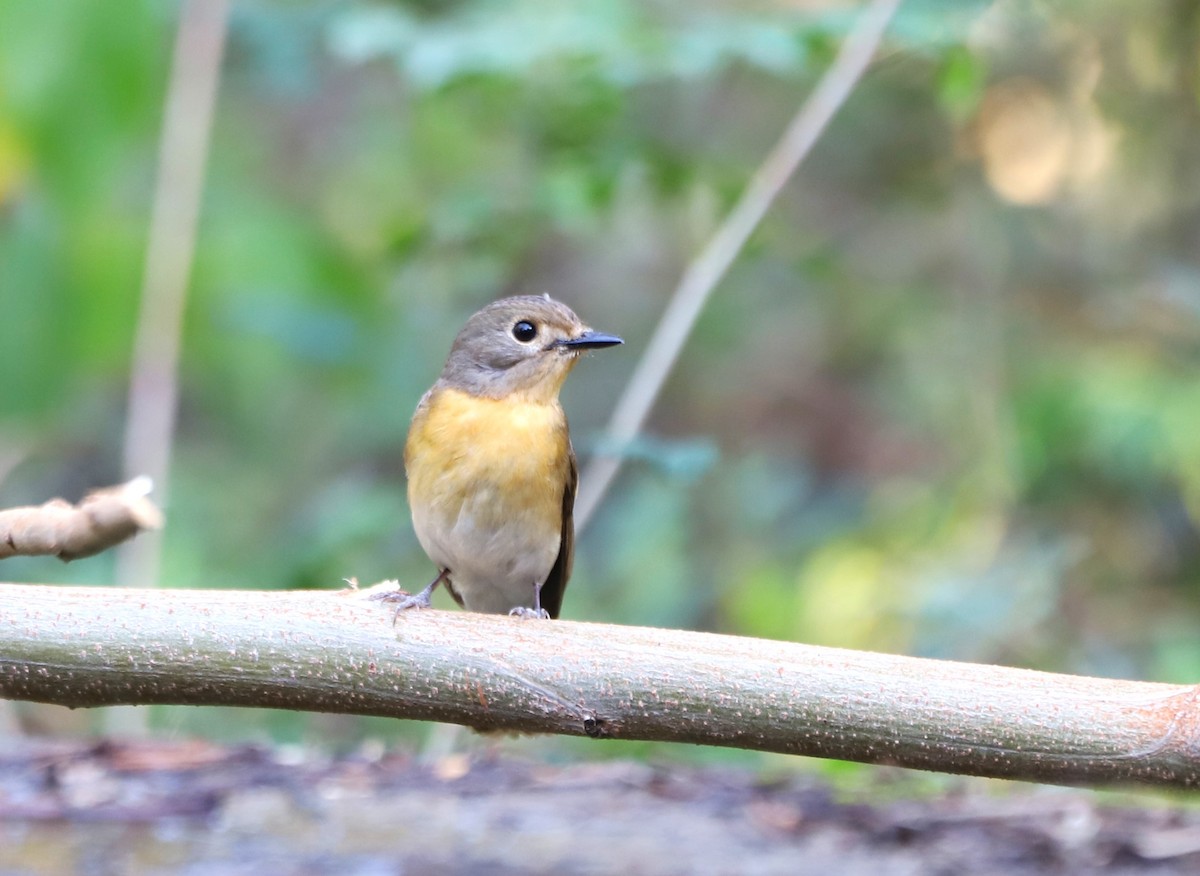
(537, 610)
(414, 600)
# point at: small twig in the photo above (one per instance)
(703, 274)
(104, 518)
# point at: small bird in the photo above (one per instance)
(491, 471)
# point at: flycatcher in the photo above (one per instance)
(491, 471)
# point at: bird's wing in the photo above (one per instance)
(556, 581)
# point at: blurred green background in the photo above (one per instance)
(946, 403)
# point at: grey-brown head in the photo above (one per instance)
(523, 346)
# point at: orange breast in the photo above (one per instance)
(499, 461)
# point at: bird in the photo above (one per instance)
(491, 471)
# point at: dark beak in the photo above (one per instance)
(590, 340)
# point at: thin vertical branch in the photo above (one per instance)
(708, 269)
(183, 154)
(153, 389)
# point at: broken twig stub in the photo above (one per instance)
(102, 519)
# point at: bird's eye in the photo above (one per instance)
(524, 331)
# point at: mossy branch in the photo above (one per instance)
(340, 652)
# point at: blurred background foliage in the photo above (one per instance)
(946, 403)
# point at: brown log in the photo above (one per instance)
(340, 652)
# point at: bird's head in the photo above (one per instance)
(522, 346)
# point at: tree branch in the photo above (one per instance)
(341, 653)
(102, 519)
(713, 262)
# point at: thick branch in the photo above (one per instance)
(341, 653)
(102, 519)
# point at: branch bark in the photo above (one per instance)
(102, 519)
(341, 652)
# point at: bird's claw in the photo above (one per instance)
(408, 600)
(526, 611)
(405, 600)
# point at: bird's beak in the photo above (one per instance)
(590, 340)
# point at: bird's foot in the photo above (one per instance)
(537, 611)
(405, 600)
(526, 611)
